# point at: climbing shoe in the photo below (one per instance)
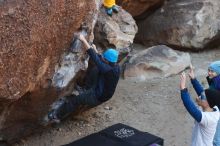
(109, 11)
(56, 108)
(52, 117)
(115, 9)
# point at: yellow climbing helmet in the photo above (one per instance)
(109, 3)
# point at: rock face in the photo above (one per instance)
(156, 62)
(117, 31)
(138, 7)
(182, 23)
(29, 47)
(34, 38)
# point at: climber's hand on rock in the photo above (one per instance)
(191, 72)
(94, 48)
(81, 37)
(85, 42)
(182, 81)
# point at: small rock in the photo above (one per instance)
(108, 117)
(79, 133)
(77, 124)
(108, 108)
(59, 129)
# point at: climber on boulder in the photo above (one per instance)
(103, 80)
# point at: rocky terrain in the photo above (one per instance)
(153, 106)
(38, 63)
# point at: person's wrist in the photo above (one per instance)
(81, 39)
(182, 87)
(183, 90)
(192, 78)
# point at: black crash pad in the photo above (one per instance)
(119, 135)
(96, 140)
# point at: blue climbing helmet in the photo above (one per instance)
(111, 55)
(215, 66)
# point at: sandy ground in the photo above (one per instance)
(153, 106)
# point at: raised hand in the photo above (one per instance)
(80, 37)
(83, 39)
(182, 81)
(94, 47)
(191, 72)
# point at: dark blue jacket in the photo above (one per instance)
(108, 77)
(214, 83)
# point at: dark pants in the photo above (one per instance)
(86, 98)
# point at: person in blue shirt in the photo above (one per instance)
(213, 91)
(103, 80)
(206, 119)
(213, 77)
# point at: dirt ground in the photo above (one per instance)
(153, 106)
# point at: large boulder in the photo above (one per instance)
(117, 31)
(138, 7)
(35, 37)
(156, 62)
(182, 23)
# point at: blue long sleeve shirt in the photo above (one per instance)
(190, 106)
(198, 88)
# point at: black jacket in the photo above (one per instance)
(108, 77)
